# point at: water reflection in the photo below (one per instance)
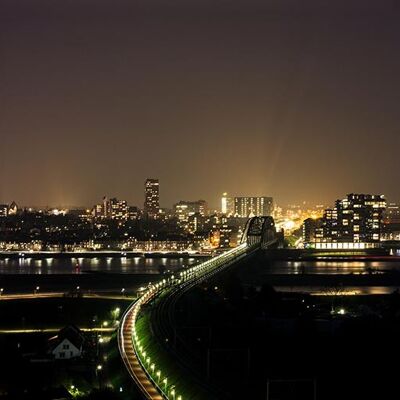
(136, 265)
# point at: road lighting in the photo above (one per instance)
(36, 289)
(1, 291)
(173, 392)
(98, 369)
(158, 374)
(165, 382)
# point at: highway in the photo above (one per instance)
(133, 354)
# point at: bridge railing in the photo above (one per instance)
(150, 366)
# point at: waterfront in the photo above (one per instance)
(123, 265)
(156, 265)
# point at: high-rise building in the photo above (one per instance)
(111, 209)
(227, 204)
(245, 207)
(152, 197)
(186, 209)
(354, 223)
(118, 209)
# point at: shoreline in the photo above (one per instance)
(97, 254)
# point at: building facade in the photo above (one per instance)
(227, 204)
(356, 222)
(152, 197)
(246, 207)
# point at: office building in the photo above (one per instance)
(118, 209)
(227, 204)
(246, 207)
(152, 198)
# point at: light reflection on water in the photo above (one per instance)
(136, 265)
(348, 290)
(330, 267)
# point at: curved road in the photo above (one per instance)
(128, 341)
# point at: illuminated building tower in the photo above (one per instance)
(152, 197)
(106, 208)
(245, 207)
(227, 204)
(118, 209)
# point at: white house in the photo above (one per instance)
(67, 344)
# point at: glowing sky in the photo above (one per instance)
(296, 100)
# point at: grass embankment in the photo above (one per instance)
(177, 377)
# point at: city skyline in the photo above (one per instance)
(175, 201)
(198, 199)
(246, 97)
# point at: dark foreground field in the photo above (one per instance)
(251, 344)
(27, 370)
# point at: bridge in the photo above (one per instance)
(144, 364)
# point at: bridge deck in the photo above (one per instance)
(132, 362)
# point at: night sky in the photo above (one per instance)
(294, 99)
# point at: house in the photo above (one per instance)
(67, 344)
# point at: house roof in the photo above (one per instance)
(71, 333)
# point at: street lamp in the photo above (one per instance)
(98, 369)
(1, 291)
(36, 289)
(158, 374)
(165, 382)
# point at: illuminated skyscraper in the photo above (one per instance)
(118, 209)
(227, 204)
(152, 197)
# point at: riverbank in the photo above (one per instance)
(96, 254)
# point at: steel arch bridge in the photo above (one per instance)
(260, 230)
